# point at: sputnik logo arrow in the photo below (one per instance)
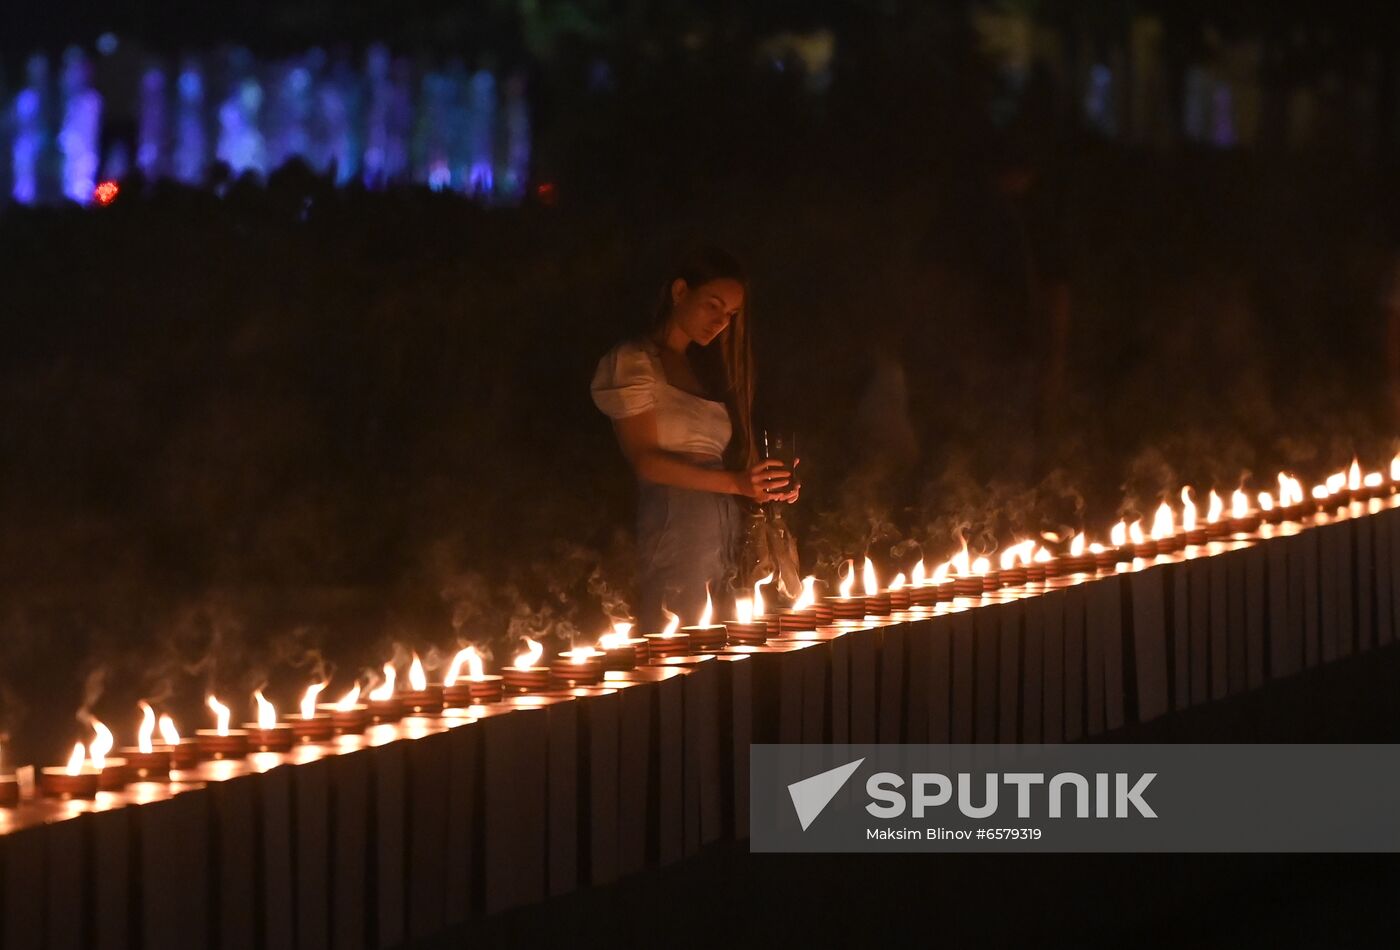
(811, 795)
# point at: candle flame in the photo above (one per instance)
(75, 761)
(898, 581)
(348, 701)
(868, 578)
(708, 613)
(808, 597)
(1215, 509)
(743, 610)
(1097, 548)
(220, 714)
(1290, 490)
(1320, 492)
(1042, 556)
(533, 651)
(961, 562)
(940, 574)
(673, 623)
(1163, 525)
(1354, 475)
(981, 566)
(848, 580)
(1076, 545)
(148, 727)
(1373, 480)
(1188, 510)
(454, 668)
(619, 636)
(168, 733)
(1118, 534)
(1007, 559)
(417, 679)
(1266, 501)
(1135, 532)
(267, 714)
(1336, 482)
(308, 700)
(101, 744)
(758, 606)
(1239, 504)
(916, 575)
(385, 689)
(1395, 468)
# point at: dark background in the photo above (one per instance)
(249, 436)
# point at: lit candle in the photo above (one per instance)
(1164, 534)
(802, 615)
(669, 642)
(523, 674)
(184, 753)
(1242, 517)
(77, 779)
(847, 605)
(111, 770)
(384, 704)
(347, 714)
(312, 723)
(623, 651)
(146, 760)
(1189, 529)
(579, 666)
(267, 734)
(475, 687)
(706, 635)
(421, 697)
(221, 742)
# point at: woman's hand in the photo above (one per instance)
(761, 483)
(788, 496)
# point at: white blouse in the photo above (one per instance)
(629, 381)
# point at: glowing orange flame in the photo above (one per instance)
(1007, 558)
(743, 610)
(308, 700)
(1290, 490)
(1076, 545)
(1097, 548)
(916, 575)
(1354, 475)
(1395, 468)
(1042, 556)
(221, 714)
(1216, 509)
(1266, 501)
(1336, 482)
(168, 733)
(758, 606)
(898, 582)
(872, 583)
(385, 690)
(75, 761)
(1239, 504)
(348, 701)
(808, 597)
(1188, 510)
(1373, 480)
(267, 715)
(981, 566)
(533, 651)
(1135, 534)
(848, 580)
(940, 573)
(708, 613)
(102, 743)
(961, 561)
(1118, 534)
(1163, 525)
(148, 728)
(417, 679)
(1320, 492)
(454, 669)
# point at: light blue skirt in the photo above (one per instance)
(685, 540)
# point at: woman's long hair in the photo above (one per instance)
(725, 366)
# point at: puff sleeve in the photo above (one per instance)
(625, 382)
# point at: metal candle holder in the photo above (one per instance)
(482, 689)
(55, 782)
(277, 739)
(531, 679)
(353, 719)
(153, 766)
(318, 728)
(422, 702)
(212, 745)
(666, 644)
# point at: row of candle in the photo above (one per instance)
(92, 768)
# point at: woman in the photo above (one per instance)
(681, 400)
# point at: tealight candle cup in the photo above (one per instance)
(530, 679)
(319, 728)
(214, 745)
(422, 702)
(487, 688)
(55, 782)
(279, 738)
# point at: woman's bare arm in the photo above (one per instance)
(637, 436)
